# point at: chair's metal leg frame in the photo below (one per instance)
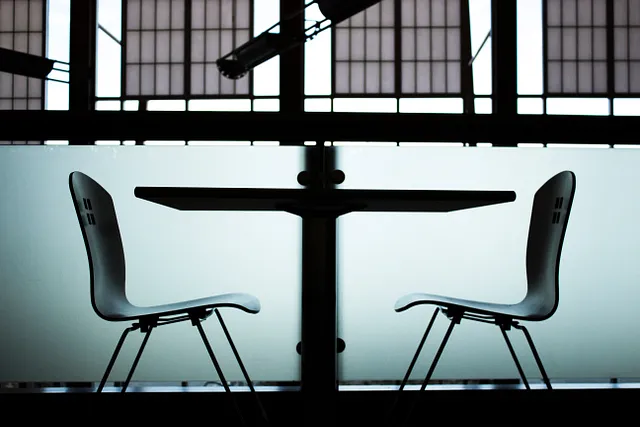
(138, 355)
(147, 325)
(504, 328)
(413, 363)
(196, 321)
(115, 355)
(536, 356)
(242, 368)
(505, 324)
(455, 318)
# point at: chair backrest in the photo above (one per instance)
(99, 224)
(549, 218)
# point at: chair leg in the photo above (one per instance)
(137, 359)
(514, 356)
(453, 323)
(545, 378)
(413, 363)
(112, 361)
(454, 320)
(216, 365)
(242, 368)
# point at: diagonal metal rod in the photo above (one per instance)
(413, 362)
(545, 378)
(439, 353)
(419, 350)
(216, 365)
(137, 359)
(479, 49)
(242, 368)
(432, 368)
(515, 357)
(112, 361)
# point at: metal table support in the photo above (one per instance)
(319, 374)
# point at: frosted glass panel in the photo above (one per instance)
(479, 254)
(53, 334)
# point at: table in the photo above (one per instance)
(319, 208)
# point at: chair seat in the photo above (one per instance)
(242, 301)
(518, 311)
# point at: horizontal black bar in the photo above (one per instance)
(241, 126)
(292, 200)
(356, 407)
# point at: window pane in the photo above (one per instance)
(317, 58)
(21, 29)
(110, 16)
(576, 47)
(108, 68)
(530, 47)
(578, 106)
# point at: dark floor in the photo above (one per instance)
(481, 407)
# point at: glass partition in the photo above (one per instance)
(480, 254)
(50, 332)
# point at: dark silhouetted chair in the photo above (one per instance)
(549, 218)
(98, 222)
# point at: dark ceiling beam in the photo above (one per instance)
(240, 126)
(25, 64)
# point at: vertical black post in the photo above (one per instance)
(318, 367)
(292, 61)
(319, 303)
(504, 49)
(82, 47)
(611, 71)
(466, 72)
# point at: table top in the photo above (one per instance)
(276, 199)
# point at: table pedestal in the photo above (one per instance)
(319, 324)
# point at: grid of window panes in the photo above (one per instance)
(580, 44)
(364, 51)
(400, 47)
(218, 26)
(171, 47)
(22, 28)
(626, 55)
(576, 46)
